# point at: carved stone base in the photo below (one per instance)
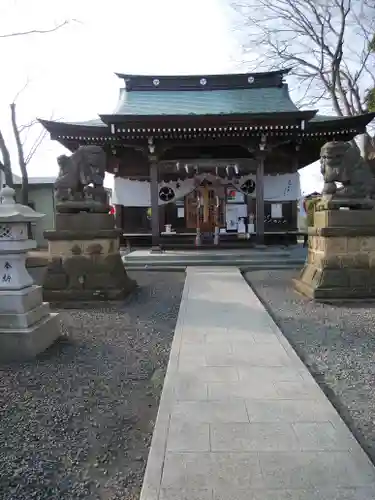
(91, 206)
(334, 202)
(20, 344)
(27, 327)
(85, 264)
(341, 256)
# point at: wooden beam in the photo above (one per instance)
(154, 191)
(260, 200)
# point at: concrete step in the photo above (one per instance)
(181, 267)
(245, 264)
(209, 257)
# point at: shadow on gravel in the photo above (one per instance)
(335, 342)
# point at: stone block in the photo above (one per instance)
(336, 245)
(82, 234)
(26, 343)
(344, 218)
(367, 244)
(358, 278)
(55, 280)
(86, 220)
(19, 301)
(361, 261)
(25, 319)
(332, 278)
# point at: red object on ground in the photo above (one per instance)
(112, 211)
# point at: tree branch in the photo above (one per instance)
(21, 158)
(326, 42)
(5, 164)
(35, 32)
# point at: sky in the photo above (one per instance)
(70, 72)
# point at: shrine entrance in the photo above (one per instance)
(205, 211)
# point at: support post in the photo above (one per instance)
(260, 200)
(155, 225)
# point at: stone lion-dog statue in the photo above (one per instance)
(341, 162)
(81, 175)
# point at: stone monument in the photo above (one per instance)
(84, 248)
(27, 327)
(341, 245)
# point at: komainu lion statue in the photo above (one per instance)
(81, 175)
(341, 162)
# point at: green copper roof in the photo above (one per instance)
(210, 102)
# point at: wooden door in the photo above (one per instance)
(201, 209)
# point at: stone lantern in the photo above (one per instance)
(27, 327)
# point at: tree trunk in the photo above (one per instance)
(21, 157)
(5, 165)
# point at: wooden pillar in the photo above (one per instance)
(154, 191)
(260, 200)
(118, 216)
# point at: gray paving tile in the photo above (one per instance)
(211, 373)
(242, 389)
(298, 390)
(211, 471)
(186, 436)
(190, 390)
(210, 411)
(255, 355)
(265, 338)
(275, 373)
(187, 471)
(253, 437)
(223, 347)
(185, 494)
(323, 436)
(290, 470)
(192, 338)
(227, 494)
(191, 362)
(316, 469)
(292, 410)
(359, 493)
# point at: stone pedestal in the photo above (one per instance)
(341, 256)
(84, 259)
(27, 327)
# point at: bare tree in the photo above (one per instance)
(326, 43)
(20, 136)
(370, 98)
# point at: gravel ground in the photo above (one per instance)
(337, 344)
(78, 422)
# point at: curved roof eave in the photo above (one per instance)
(96, 126)
(282, 71)
(323, 121)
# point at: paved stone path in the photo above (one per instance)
(240, 416)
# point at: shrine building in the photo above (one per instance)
(207, 158)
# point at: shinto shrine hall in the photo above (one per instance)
(207, 158)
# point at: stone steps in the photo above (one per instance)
(255, 260)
